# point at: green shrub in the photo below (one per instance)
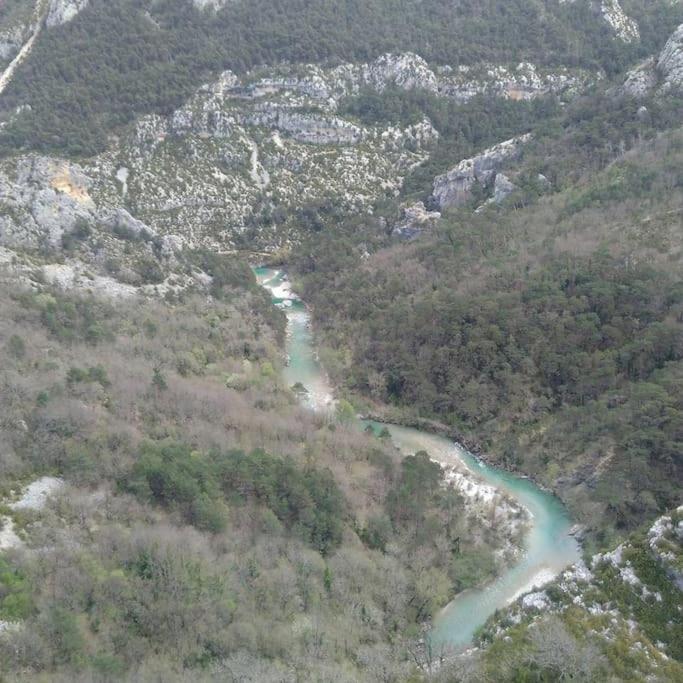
(15, 593)
(306, 501)
(16, 347)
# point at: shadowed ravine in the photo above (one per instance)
(549, 547)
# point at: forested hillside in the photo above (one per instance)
(549, 330)
(119, 58)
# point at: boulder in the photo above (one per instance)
(415, 220)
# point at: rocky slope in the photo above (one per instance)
(20, 19)
(661, 74)
(612, 14)
(626, 604)
(245, 152)
(63, 11)
(268, 142)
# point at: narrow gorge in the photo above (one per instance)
(549, 547)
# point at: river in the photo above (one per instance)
(549, 547)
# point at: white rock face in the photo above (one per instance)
(62, 11)
(308, 128)
(522, 82)
(537, 601)
(670, 62)
(625, 28)
(76, 276)
(455, 187)
(659, 75)
(8, 539)
(415, 220)
(43, 198)
(640, 81)
(244, 144)
(503, 187)
(210, 4)
(35, 495)
(407, 71)
(612, 13)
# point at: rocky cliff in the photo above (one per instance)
(455, 187)
(269, 141)
(660, 74)
(670, 62)
(62, 11)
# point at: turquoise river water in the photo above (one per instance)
(549, 547)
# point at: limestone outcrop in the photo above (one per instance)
(62, 11)
(670, 62)
(612, 13)
(657, 75)
(455, 187)
(415, 220)
(41, 199)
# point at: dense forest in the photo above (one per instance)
(119, 59)
(550, 334)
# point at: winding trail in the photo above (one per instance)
(39, 14)
(549, 545)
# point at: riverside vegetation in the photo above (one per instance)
(209, 525)
(550, 334)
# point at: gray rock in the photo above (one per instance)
(12, 39)
(407, 71)
(658, 75)
(670, 62)
(611, 12)
(43, 200)
(625, 28)
(62, 11)
(314, 129)
(455, 187)
(210, 4)
(121, 222)
(415, 220)
(503, 187)
(524, 81)
(640, 82)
